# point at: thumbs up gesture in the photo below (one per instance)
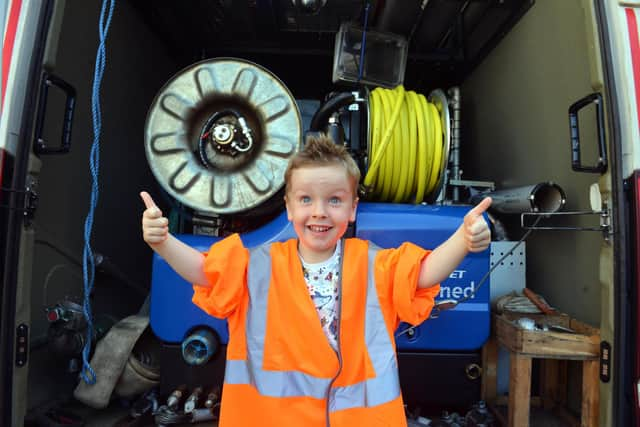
(477, 236)
(155, 227)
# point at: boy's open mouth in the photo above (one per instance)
(318, 228)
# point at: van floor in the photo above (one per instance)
(116, 415)
(538, 417)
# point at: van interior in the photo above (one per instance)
(518, 64)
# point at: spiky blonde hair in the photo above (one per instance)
(320, 150)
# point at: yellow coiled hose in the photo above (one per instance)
(406, 146)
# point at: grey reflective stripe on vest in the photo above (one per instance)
(268, 383)
(384, 388)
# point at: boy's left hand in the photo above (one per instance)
(477, 235)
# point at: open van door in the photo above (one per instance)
(24, 25)
(621, 33)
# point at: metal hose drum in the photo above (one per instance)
(220, 133)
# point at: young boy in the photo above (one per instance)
(311, 320)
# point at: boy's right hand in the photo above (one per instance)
(155, 227)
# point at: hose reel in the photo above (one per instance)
(408, 138)
(408, 145)
(219, 135)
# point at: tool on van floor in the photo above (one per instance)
(538, 302)
(192, 401)
(164, 416)
(176, 396)
(515, 303)
(145, 404)
(213, 396)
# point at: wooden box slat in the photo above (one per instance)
(582, 345)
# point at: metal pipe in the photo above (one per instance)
(545, 197)
(454, 102)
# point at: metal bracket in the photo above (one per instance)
(469, 183)
(604, 227)
(206, 225)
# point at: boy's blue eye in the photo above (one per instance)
(305, 199)
(335, 200)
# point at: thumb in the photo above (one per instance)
(480, 208)
(148, 201)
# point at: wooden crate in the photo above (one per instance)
(582, 345)
(556, 347)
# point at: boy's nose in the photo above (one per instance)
(318, 210)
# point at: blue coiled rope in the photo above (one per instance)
(88, 263)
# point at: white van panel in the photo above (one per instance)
(20, 63)
(622, 33)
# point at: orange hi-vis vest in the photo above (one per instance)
(281, 370)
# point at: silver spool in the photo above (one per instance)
(439, 99)
(220, 133)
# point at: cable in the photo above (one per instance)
(480, 283)
(406, 146)
(364, 42)
(321, 117)
(88, 263)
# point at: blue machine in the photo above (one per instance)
(466, 327)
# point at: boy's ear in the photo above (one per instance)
(355, 208)
(286, 205)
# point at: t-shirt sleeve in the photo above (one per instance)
(225, 266)
(397, 273)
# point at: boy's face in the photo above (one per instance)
(320, 203)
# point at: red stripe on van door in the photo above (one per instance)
(635, 54)
(632, 23)
(7, 48)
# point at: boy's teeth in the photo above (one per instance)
(318, 229)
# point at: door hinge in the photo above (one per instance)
(29, 202)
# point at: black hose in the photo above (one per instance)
(321, 116)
